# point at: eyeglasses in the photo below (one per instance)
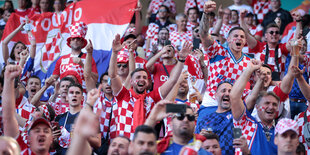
(272, 32)
(181, 117)
(162, 10)
(120, 65)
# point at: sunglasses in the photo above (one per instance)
(120, 65)
(272, 32)
(162, 10)
(181, 117)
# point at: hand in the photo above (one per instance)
(87, 124)
(24, 54)
(255, 64)
(220, 11)
(199, 54)
(131, 45)
(31, 38)
(116, 44)
(76, 60)
(49, 81)
(243, 12)
(297, 73)
(295, 45)
(12, 71)
(20, 27)
(196, 94)
(158, 113)
(209, 6)
(139, 7)
(154, 48)
(56, 132)
(89, 47)
(166, 49)
(242, 144)
(186, 49)
(183, 77)
(93, 95)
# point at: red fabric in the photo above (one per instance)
(138, 110)
(160, 75)
(277, 90)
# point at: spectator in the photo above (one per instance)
(192, 18)
(8, 5)
(277, 11)
(156, 46)
(59, 6)
(22, 9)
(194, 3)
(182, 34)
(9, 146)
(154, 8)
(45, 6)
(239, 6)
(144, 141)
(289, 31)
(248, 21)
(260, 8)
(211, 144)
(119, 145)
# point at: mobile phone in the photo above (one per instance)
(167, 42)
(176, 108)
(237, 133)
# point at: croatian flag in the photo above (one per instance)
(104, 18)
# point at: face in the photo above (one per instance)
(139, 81)
(8, 148)
(63, 90)
(106, 87)
(40, 138)
(213, 146)
(119, 146)
(75, 96)
(57, 5)
(162, 13)
(163, 35)
(17, 50)
(234, 17)
(227, 15)
(22, 4)
(222, 96)
(35, 2)
(6, 15)
(183, 89)
(272, 35)
(267, 73)
(236, 40)
(267, 108)
(7, 5)
(192, 15)
(144, 143)
(287, 142)
(181, 128)
(181, 23)
(249, 20)
(33, 86)
(129, 41)
(76, 43)
(122, 69)
(275, 4)
(169, 52)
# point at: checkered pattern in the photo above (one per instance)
(125, 103)
(27, 151)
(193, 67)
(286, 124)
(59, 107)
(130, 30)
(155, 4)
(288, 32)
(254, 30)
(65, 138)
(45, 111)
(78, 30)
(191, 4)
(122, 57)
(103, 107)
(300, 121)
(190, 25)
(260, 52)
(261, 8)
(152, 31)
(25, 108)
(179, 38)
(51, 50)
(225, 29)
(224, 68)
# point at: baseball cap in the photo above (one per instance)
(286, 124)
(37, 121)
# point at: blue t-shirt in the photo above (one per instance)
(174, 149)
(221, 124)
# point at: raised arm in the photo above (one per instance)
(204, 26)
(219, 21)
(150, 63)
(251, 40)
(10, 124)
(174, 91)
(89, 81)
(36, 98)
(158, 113)
(176, 71)
(251, 99)
(131, 64)
(237, 107)
(116, 82)
(33, 45)
(303, 85)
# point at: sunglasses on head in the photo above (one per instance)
(272, 32)
(122, 65)
(181, 117)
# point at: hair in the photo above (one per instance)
(163, 28)
(193, 8)
(62, 3)
(104, 74)
(124, 137)
(211, 135)
(75, 85)
(67, 79)
(51, 110)
(212, 14)
(1, 80)
(271, 25)
(130, 36)
(137, 70)
(12, 6)
(267, 66)
(235, 28)
(222, 82)
(235, 11)
(180, 15)
(144, 129)
(301, 148)
(264, 93)
(13, 141)
(12, 55)
(167, 8)
(34, 77)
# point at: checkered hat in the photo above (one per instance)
(122, 57)
(78, 30)
(286, 124)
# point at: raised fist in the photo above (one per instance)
(12, 71)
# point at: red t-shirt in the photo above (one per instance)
(160, 75)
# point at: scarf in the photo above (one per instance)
(138, 109)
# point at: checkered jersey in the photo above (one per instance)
(27, 151)
(260, 52)
(155, 4)
(225, 29)
(288, 32)
(28, 69)
(190, 25)
(179, 38)
(59, 107)
(254, 30)
(125, 103)
(300, 121)
(153, 28)
(191, 4)
(261, 8)
(25, 108)
(194, 67)
(103, 108)
(223, 66)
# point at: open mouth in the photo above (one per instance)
(238, 44)
(226, 99)
(33, 90)
(41, 140)
(74, 100)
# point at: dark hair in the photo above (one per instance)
(235, 28)
(67, 79)
(193, 8)
(12, 6)
(264, 93)
(124, 137)
(271, 25)
(12, 55)
(144, 129)
(1, 80)
(211, 135)
(235, 11)
(267, 66)
(62, 3)
(34, 77)
(75, 85)
(130, 36)
(163, 28)
(137, 70)
(301, 148)
(104, 74)
(51, 111)
(167, 8)
(224, 81)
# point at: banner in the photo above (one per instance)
(104, 18)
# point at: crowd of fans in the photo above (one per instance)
(235, 79)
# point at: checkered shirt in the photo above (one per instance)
(254, 30)
(27, 151)
(25, 108)
(179, 38)
(260, 53)
(288, 32)
(155, 4)
(193, 67)
(300, 121)
(125, 103)
(59, 107)
(261, 8)
(152, 31)
(225, 29)
(190, 25)
(103, 108)
(191, 4)
(223, 66)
